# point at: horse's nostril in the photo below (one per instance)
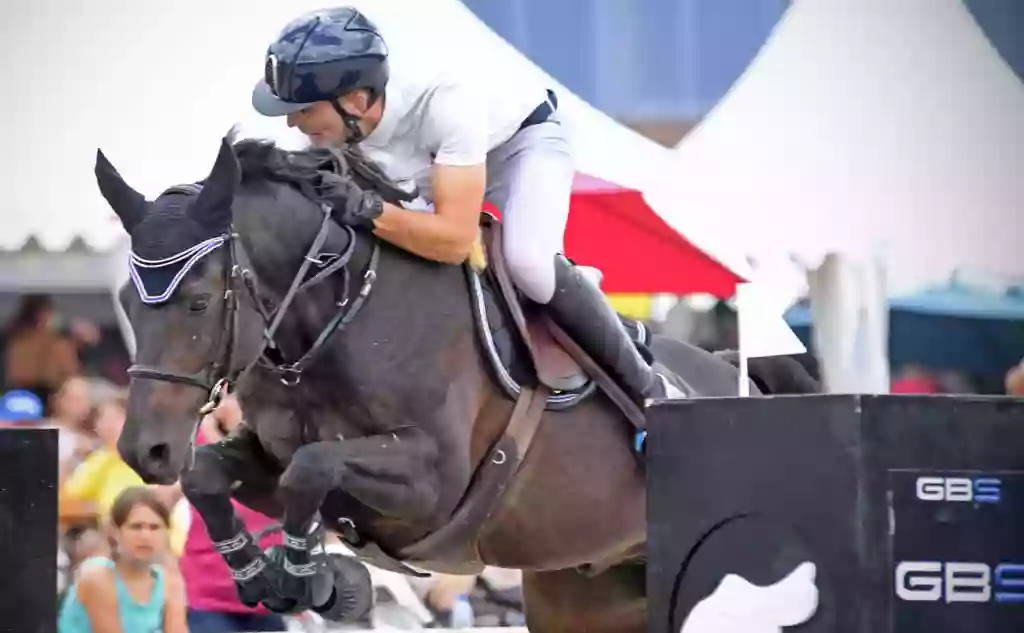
(158, 453)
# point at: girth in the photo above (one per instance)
(453, 548)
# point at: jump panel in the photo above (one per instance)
(28, 530)
(890, 514)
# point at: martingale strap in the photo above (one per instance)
(157, 279)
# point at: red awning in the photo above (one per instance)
(613, 229)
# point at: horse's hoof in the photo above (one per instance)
(282, 606)
(255, 590)
(298, 593)
(351, 595)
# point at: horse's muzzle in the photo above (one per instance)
(154, 462)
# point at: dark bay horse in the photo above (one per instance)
(371, 409)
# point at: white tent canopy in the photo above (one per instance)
(879, 143)
(867, 127)
(156, 86)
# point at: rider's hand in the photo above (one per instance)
(352, 206)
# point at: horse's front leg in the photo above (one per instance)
(394, 474)
(209, 486)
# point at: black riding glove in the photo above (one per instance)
(351, 205)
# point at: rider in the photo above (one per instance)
(456, 141)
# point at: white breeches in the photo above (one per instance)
(529, 180)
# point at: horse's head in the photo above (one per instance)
(191, 326)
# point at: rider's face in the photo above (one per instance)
(320, 123)
(325, 128)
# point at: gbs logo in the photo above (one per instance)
(981, 490)
(932, 581)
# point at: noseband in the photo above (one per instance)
(222, 373)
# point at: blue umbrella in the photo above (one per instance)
(954, 326)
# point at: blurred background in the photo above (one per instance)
(861, 159)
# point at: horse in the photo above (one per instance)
(387, 398)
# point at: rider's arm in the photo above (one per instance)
(455, 128)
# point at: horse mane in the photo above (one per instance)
(262, 161)
(318, 174)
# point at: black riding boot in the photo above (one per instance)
(582, 310)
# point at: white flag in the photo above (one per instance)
(762, 330)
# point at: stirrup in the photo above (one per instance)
(671, 391)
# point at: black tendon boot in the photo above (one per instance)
(582, 310)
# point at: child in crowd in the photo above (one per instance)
(128, 591)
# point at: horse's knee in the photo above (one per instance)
(311, 469)
(206, 477)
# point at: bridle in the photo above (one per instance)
(220, 374)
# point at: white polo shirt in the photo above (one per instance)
(449, 117)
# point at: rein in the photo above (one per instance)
(218, 375)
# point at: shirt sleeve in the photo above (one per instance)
(455, 124)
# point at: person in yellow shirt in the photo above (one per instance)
(92, 487)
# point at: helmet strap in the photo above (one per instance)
(374, 95)
(351, 121)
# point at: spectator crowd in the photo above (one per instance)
(132, 557)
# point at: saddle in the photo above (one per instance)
(537, 351)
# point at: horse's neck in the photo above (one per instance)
(412, 305)
(411, 311)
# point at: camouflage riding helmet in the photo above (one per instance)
(318, 57)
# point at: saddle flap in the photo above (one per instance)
(554, 366)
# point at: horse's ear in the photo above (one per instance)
(128, 204)
(212, 209)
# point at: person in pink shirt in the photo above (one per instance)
(915, 380)
(213, 605)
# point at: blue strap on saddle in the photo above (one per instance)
(640, 442)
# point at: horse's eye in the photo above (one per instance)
(198, 306)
